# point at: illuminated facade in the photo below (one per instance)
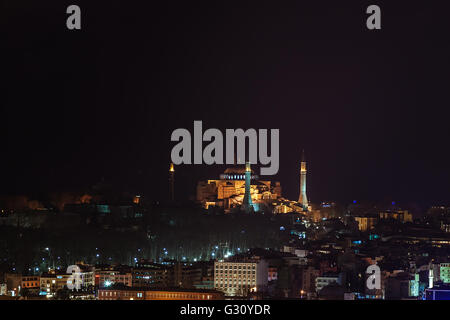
(156, 294)
(230, 190)
(240, 278)
(30, 282)
(401, 215)
(282, 205)
(52, 281)
(239, 187)
(366, 223)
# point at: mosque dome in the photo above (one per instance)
(237, 169)
(237, 172)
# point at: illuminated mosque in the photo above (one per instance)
(240, 188)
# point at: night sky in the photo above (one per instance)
(370, 108)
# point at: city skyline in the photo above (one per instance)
(367, 106)
(242, 152)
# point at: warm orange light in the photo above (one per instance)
(303, 167)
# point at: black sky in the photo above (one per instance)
(369, 107)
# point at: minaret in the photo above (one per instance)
(430, 276)
(171, 182)
(247, 204)
(302, 197)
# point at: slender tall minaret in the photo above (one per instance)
(171, 182)
(302, 197)
(430, 275)
(247, 204)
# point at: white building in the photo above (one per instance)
(3, 289)
(323, 281)
(53, 280)
(87, 275)
(240, 278)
